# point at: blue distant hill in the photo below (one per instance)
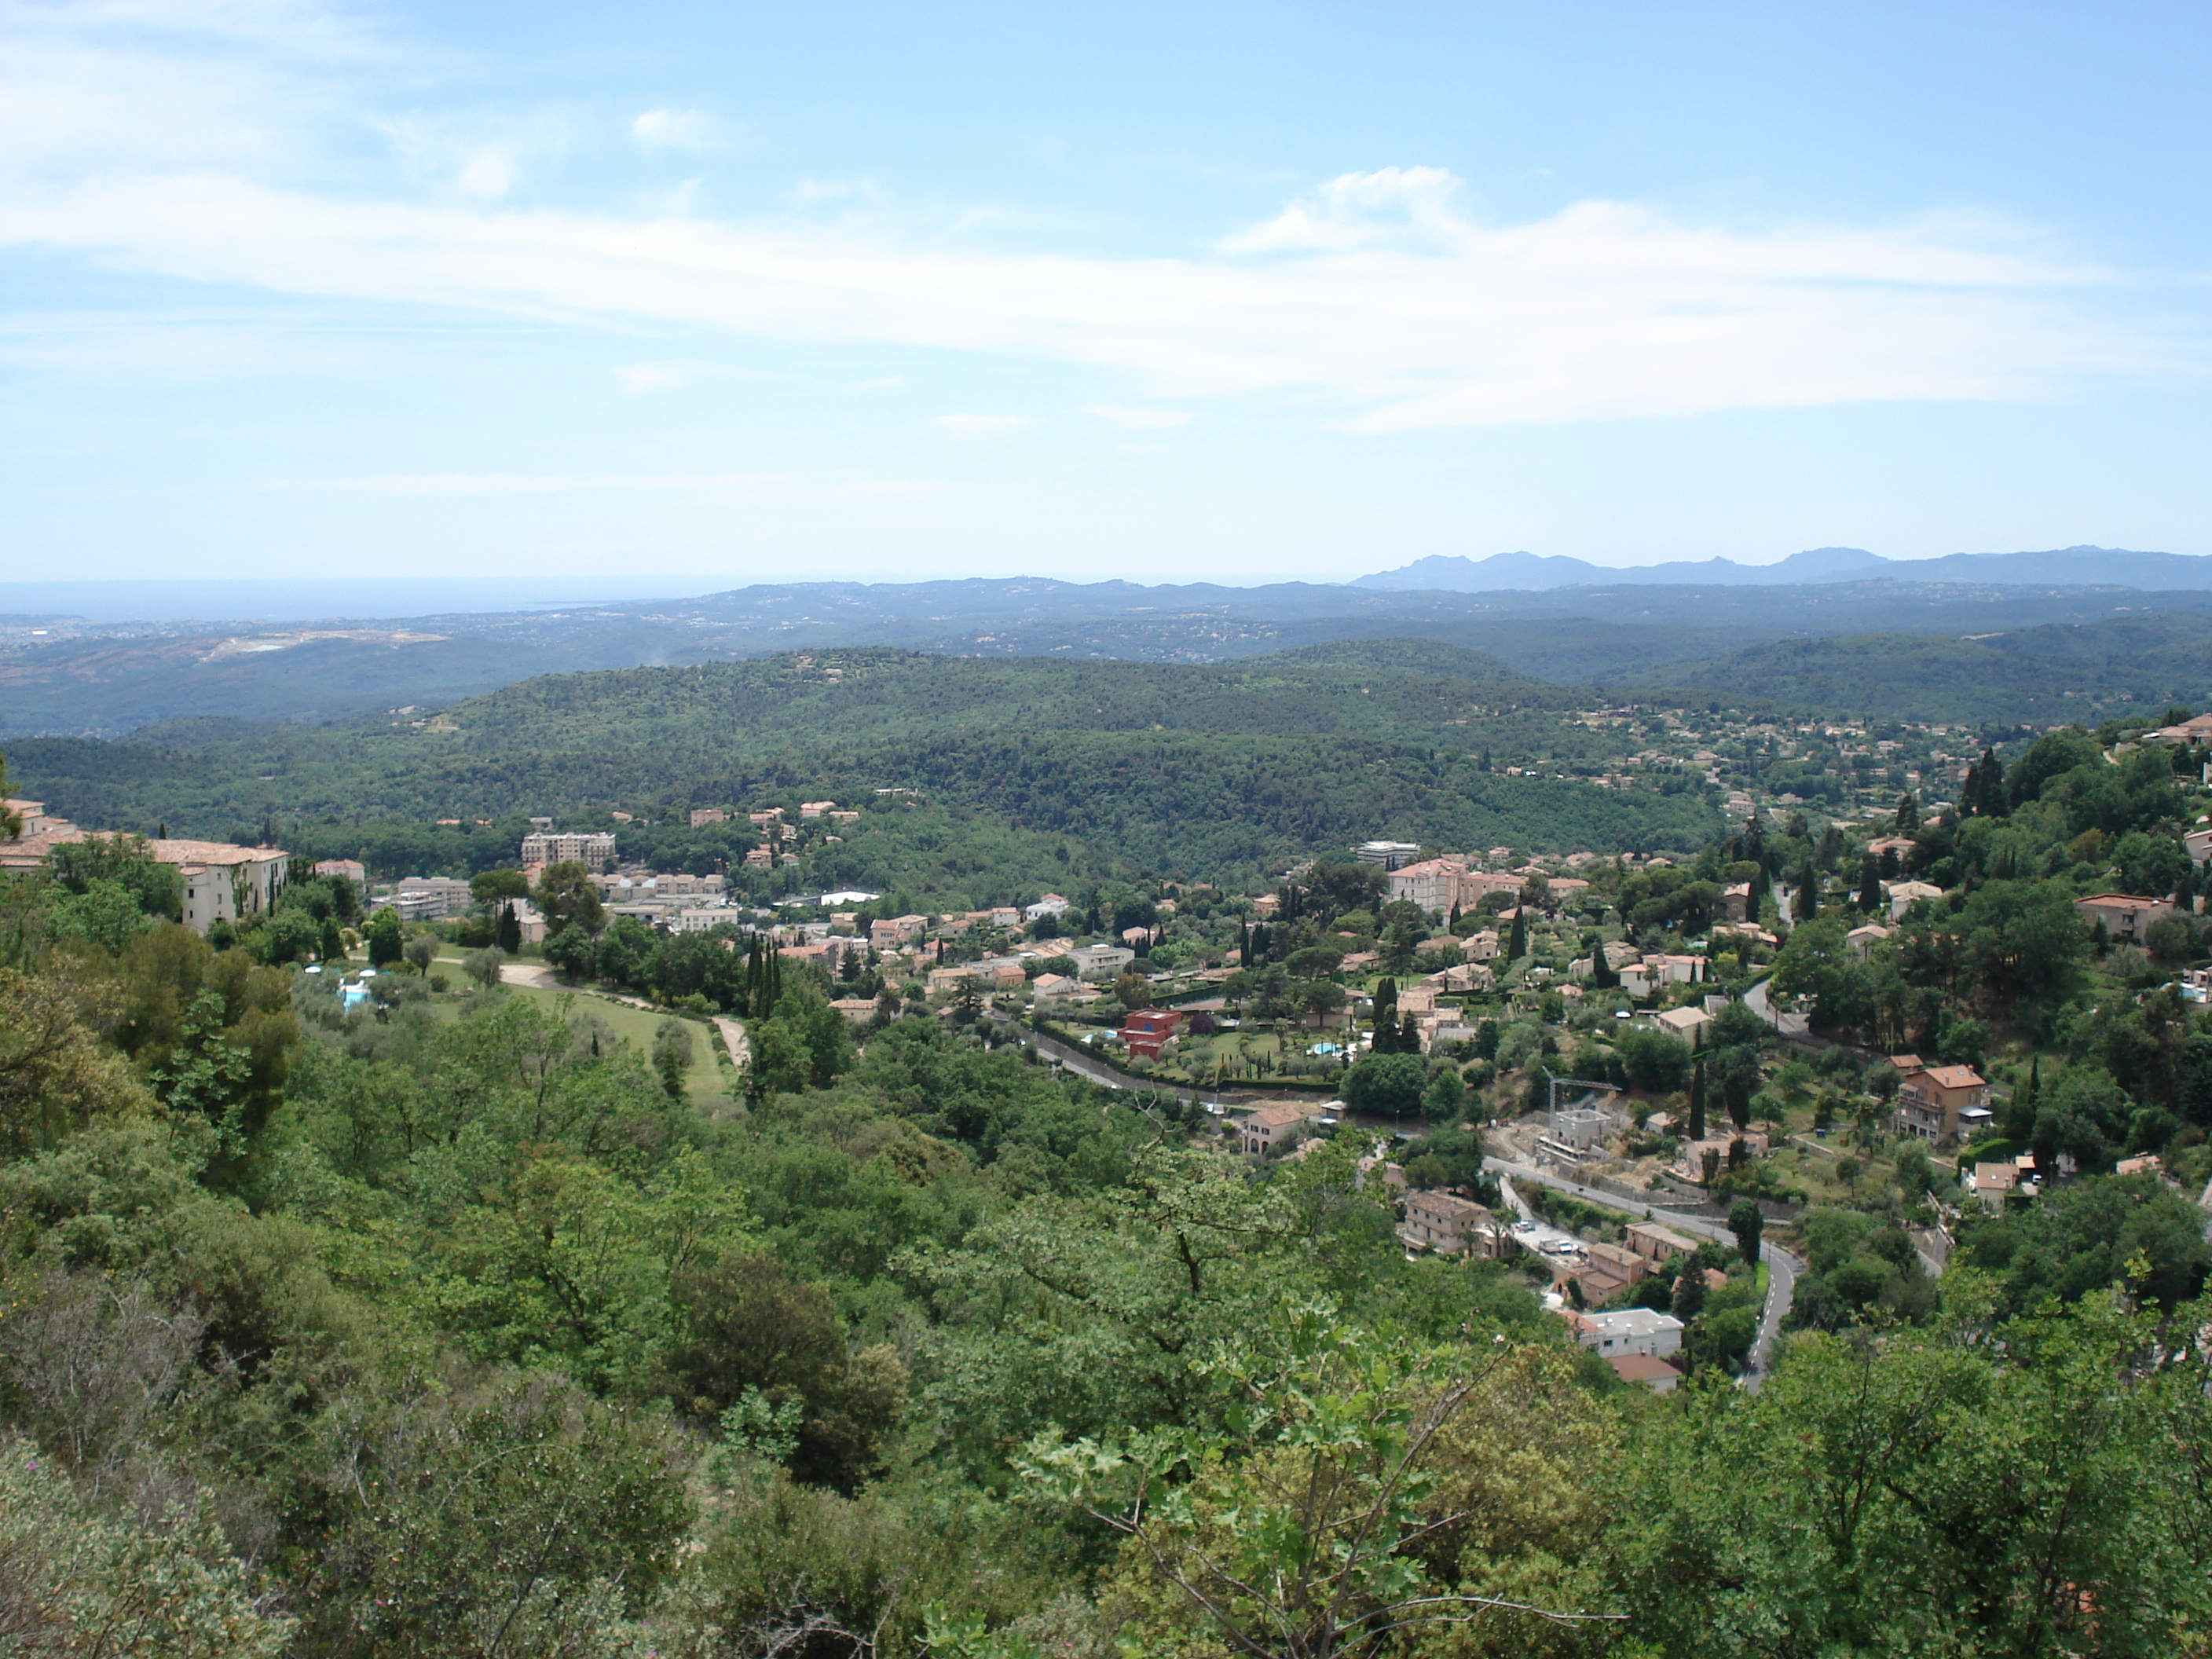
(2064, 566)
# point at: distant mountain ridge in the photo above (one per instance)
(2072, 566)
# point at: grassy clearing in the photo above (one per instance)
(706, 1085)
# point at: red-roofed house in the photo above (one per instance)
(1653, 1372)
(1933, 1101)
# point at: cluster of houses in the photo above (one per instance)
(777, 835)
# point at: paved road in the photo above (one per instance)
(1788, 1026)
(1094, 1070)
(1781, 1267)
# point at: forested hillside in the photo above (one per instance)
(1223, 771)
(110, 678)
(2068, 672)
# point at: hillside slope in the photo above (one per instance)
(1225, 771)
(2056, 673)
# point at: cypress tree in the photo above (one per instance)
(1517, 944)
(2020, 1111)
(1869, 886)
(1808, 894)
(1698, 1100)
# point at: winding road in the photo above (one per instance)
(1786, 1025)
(1781, 1267)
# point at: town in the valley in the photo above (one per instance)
(1612, 1070)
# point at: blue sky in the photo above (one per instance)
(704, 295)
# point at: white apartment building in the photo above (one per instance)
(593, 852)
(224, 882)
(1630, 1330)
(431, 898)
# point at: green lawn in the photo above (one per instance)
(706, 1085)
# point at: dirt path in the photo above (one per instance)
(538, 977)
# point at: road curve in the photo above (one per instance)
(1781, 1267)
(1788, 1026)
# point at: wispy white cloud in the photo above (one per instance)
(1141, 420)
(511, 484)
(637, 379)
(1605, 309)
(979, 426)
(781, 487)
(1380, 291)
(675, 129)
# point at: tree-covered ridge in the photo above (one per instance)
(883, 695)
(2056, 673)
(1221, 772)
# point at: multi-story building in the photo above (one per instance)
(1101, 960)
(1433, 884)
(1654, 1242)
(1630, 1330)
(224, 882)
(2125, 915)
(1274, 1125)
(593, 852)
(1147, 1030)
(1390, 854)
(1445, 1221)
(431, 898)
(1936, 1102)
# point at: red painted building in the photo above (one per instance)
(1148, 1029)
